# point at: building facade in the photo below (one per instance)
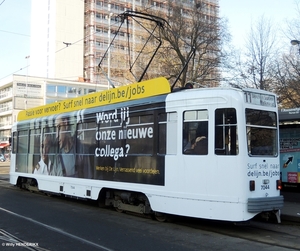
(69, 37)
(101, 22)
(57, 32)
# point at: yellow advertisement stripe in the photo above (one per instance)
(134, 91)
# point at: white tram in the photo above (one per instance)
(209, 153)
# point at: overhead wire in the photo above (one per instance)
(15, 33)
(63, 48)
(22, 68)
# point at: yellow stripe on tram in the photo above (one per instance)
(134, 91)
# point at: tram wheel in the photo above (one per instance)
(161, 217)
(119, 210)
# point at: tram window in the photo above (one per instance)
(23, 142)
(14, 142)
(162, 128)
(226, 138)
(261, 132)
(86, 135)
(40, 146)
(146, 119)
(134, 119)
(34, 142)
(195, 132)
(64, 129)
(139, 134)
(22, 151)
(48, 138)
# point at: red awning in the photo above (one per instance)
(2, 145)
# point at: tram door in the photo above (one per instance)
(209, 146)
(194, 151)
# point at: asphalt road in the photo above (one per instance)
(56, 223)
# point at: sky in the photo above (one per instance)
(15, 26)
(14, 36)
(242, 14)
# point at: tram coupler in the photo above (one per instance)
(277, 214)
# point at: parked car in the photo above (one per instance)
(2, 158)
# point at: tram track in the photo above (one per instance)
(285, 235)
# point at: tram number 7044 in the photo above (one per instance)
(265, 187)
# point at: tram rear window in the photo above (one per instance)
(261, 133)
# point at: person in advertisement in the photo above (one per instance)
(69, 162)
(45, 165)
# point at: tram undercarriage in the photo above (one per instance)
(121, 201)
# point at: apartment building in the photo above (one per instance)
(69, 37)
(101, 23)
(57, 38)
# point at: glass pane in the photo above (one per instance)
(23, 144)
(262, 141)
(196, 115)
(264, 118)
(261, 132)
(34, 146)
(51, 88)
(146, 119)
(226, 138)
(61, 89)
(162, 138)
(195, 132)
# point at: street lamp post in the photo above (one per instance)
(108, 56)
(296, 42)
(26, 90)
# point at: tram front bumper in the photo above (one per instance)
(257, 205)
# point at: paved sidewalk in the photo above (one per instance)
(291, 208)
(4, 167)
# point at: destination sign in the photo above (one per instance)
(260, 99)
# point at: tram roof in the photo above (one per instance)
(136, 91)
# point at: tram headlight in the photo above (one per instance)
(278, 184)
(252, 185)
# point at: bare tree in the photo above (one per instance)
(194, 37)
(256, 65)
(292, 31)
(288, 67)
(190, 44)
(288, 81)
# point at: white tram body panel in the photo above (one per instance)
(213, 186)
(206, 186)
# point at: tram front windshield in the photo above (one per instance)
(261, 133)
